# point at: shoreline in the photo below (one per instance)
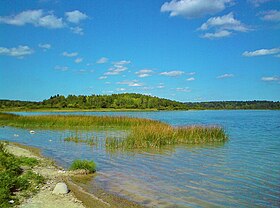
(78, 196)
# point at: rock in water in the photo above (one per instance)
(60, 188)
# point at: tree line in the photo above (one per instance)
(131, 101)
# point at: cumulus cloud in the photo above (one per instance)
(194, 8)
(133, 83)
(270, 79)
(261, 52)
(102, 60)
(117, 68)
(272, 15)
(172, 73)
(144, 73)
(224, 76)
(186, 89)
(191, 79)
(77, 30)
(223, 26)
(44, 46)
(78, 60)
(18, 52)
(69, 54)
(35, 17)
(75, 16)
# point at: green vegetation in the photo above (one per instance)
(76, 139)
(71, 121)
(143, 132)
(158, 135)
(13, 180)
(89, 166)
(128, 101)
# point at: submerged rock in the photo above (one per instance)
(60, 188)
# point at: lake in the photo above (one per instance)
(243, 172)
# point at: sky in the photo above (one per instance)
(184, 50)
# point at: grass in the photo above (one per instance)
(76, 139)
(156, 136)
(144, 133)
(89, 166)
(71, 121)
(13, 180)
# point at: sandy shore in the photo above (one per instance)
(76, 198)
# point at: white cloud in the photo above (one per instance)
(223, 26)
(18, 52)
(75, 16)
(61, 68)
(172, 73)
(69, 54)
(77, 30)
(102, 60)
(133, 83)
(261, 52)
(144, 73)
(120, 89)
(186, 89)
(78, 60)
(191, 79)
(35, 17)
(194, 8)
(272, 15)
(45, 46)
(270, 79)
(191, 73)
(219, 34)
(117, 68)
(257, 3)
(160, 86)
(103, 77)
(224, 76)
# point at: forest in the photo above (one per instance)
(129, 101)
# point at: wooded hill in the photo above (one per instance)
(130, 101)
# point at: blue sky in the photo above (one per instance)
(185, 50)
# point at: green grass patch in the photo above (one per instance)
(76, 139)
(13, 180)
(89, 166)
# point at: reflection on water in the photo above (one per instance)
(243, 172)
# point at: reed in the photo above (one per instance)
(76, 139)
(158, 135)
(144, 133)
(71, 121)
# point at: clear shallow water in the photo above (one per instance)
(244, 172)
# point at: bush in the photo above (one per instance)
(83, 165)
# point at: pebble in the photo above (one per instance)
(11, 201)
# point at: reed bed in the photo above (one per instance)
(72, 121)
(158, 135)
(75, 139)
(144, 133)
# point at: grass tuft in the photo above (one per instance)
(89, 166)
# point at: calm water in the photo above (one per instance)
(244, 172)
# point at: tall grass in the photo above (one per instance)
(71, 121)
(158, 135)
(144, 133)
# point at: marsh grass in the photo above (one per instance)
(143, 133)
(72, 121)
(76, 139)
(156, 136)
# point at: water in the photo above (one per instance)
(244, 172)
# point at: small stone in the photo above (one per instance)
(60, 188)
(11, 201)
